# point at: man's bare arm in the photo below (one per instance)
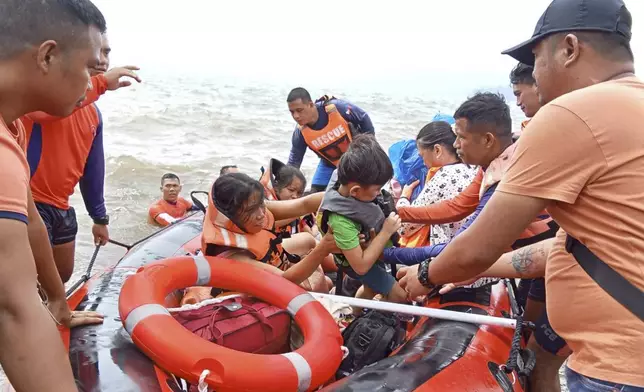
(476, 249)
(32, 355)
(48, 275)
(527, 262)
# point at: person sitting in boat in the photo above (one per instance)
(348, 210)
(327, 127)
(240, 225)
(286, 182)
(447, 176)
(228, 169)
(171, 207)
(483, 138)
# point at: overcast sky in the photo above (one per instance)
(358, 42)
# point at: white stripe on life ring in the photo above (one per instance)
(298, 302)
(141, 313)
(203, 270)
(303, 370)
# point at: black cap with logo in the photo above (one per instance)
(575, 15)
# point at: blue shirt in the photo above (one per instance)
(350, 112)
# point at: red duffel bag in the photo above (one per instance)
(243, 324)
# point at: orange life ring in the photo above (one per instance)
(186, 355)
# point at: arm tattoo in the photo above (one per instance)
(523, 258)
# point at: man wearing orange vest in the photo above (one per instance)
(327, 127)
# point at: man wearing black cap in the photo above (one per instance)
(582, 158)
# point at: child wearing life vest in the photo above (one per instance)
(348, 209)
(286, 182)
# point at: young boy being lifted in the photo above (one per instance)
(348, 209)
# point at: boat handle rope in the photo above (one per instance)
(203, 387)
(87, 275)
(128, 247)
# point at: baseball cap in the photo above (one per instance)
(610, 16)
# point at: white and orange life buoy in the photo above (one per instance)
(184, 354)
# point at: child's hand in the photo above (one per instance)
(364, 244)
(392, 224)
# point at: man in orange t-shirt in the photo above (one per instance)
(65, 152)
(46, 48)
(171, 207)
(580, 158)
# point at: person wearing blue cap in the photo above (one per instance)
(581, 158)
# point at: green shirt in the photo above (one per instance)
(346, 234)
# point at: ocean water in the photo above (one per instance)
(192, 126)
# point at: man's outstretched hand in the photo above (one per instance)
(114, 75)
(70, 319)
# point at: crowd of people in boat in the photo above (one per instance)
(561, 208)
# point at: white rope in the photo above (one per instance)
(205, 303)
(203, 387)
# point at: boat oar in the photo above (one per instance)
(420, 311)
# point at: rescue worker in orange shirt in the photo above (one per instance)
(64, 152)
(171, 207)
(46, 49)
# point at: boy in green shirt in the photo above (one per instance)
(349, 210)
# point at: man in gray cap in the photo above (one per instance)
(582, 158)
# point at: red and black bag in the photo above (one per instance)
(243, 324)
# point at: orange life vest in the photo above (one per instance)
(333, 140)
(268, 181)
(266, 246)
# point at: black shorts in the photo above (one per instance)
(61, 224)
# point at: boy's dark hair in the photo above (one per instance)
(231, 194)
(487, 108)
(286, 175)
(522, 74)
(32, 22)
(365, 163)
(170, 176)
(224, 169)
(299, 93)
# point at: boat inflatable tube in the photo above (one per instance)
(184, 354)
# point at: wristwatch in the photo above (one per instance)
(103, 220)
(423, 275)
